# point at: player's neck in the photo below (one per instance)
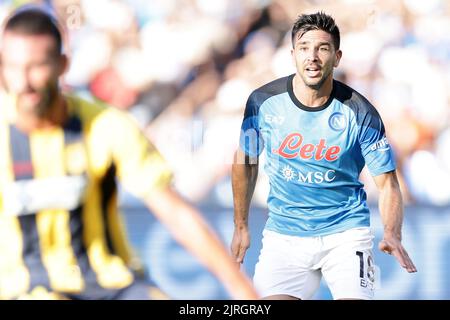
(312, 97)
(55, 117)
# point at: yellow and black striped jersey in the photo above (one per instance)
(59, 219)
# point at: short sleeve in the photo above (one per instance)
(140, 166)
(250, 140)
(376, 150)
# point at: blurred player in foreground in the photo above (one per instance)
(60, 231)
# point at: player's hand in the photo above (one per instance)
(240, 243)
(393, 246)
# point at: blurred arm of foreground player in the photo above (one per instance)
(190, 229)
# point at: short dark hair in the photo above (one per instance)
(317, 21)
(34, 21)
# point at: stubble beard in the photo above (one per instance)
(43, 107)
(319, 84)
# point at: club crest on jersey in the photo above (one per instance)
(293, 147)
(337, 121)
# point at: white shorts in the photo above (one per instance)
(292, 265)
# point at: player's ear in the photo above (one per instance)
(338, 58)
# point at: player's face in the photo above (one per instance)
(315, 57)
(30, 68)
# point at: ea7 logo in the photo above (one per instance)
(381, 145)
(273, 119)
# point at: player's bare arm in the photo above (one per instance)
(187, 227)
(391, 210)
(244, 175)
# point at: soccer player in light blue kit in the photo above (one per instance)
(317, 134)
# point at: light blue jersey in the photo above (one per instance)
(315, 156)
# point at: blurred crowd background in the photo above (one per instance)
(184, 69)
